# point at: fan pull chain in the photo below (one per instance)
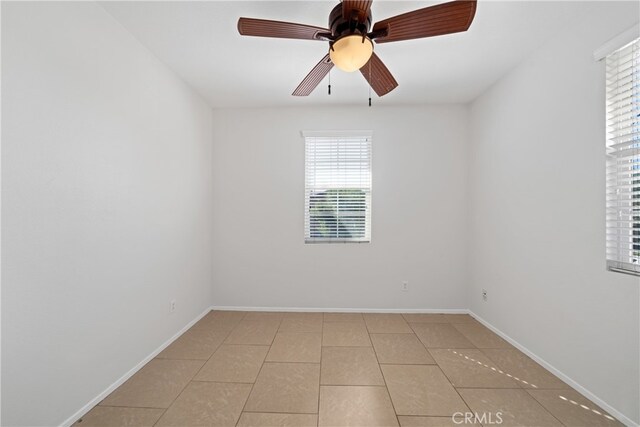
(329, 82)
(369, 83)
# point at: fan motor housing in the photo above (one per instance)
(340, 26)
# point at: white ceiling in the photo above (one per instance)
(200, 42)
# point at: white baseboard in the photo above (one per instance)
(86, 408)
(344, 310)
(579, 388)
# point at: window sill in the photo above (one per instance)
(324, 241)
(623, 271)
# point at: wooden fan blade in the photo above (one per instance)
(285, 30)
(314, 78)
(361, 6)
(378, 76)
(445, 18)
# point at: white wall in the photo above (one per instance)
(106, 210)
(418, 215)
(538, 246)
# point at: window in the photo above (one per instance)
(623, 159)
(337, 187)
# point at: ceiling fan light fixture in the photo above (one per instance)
(350, 53)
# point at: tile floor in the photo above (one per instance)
(342, 369)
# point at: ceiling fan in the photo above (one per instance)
(350, 36)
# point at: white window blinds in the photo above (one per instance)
(337, 187)
(623, 159)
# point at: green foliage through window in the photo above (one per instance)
(337, 213)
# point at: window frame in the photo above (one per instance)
(622, 155)
(338, 134)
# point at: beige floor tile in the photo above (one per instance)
(106, 416)
(198, 342)
(207, 404)
(222, 320)
(573, 409)
(264, 316)
(459, 318)
(515, 407)
(343, 317)
(301, 322)
(399, 349)
(295, 347)
(454, 421)
(355, 406)
(425, 318)
(256, 332)
(440, 335)
(350, 366)
(287, 388)
(156, 385)
(481, 336)
(386, 323)
(262, 419)
(421, 390)
(288, 375)
(234, 364)
(352, 334)
(471, 368)
(527, 372)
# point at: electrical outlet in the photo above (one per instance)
(405, 286)
(172, 306)
(484, 295)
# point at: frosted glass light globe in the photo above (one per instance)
(350, 53)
